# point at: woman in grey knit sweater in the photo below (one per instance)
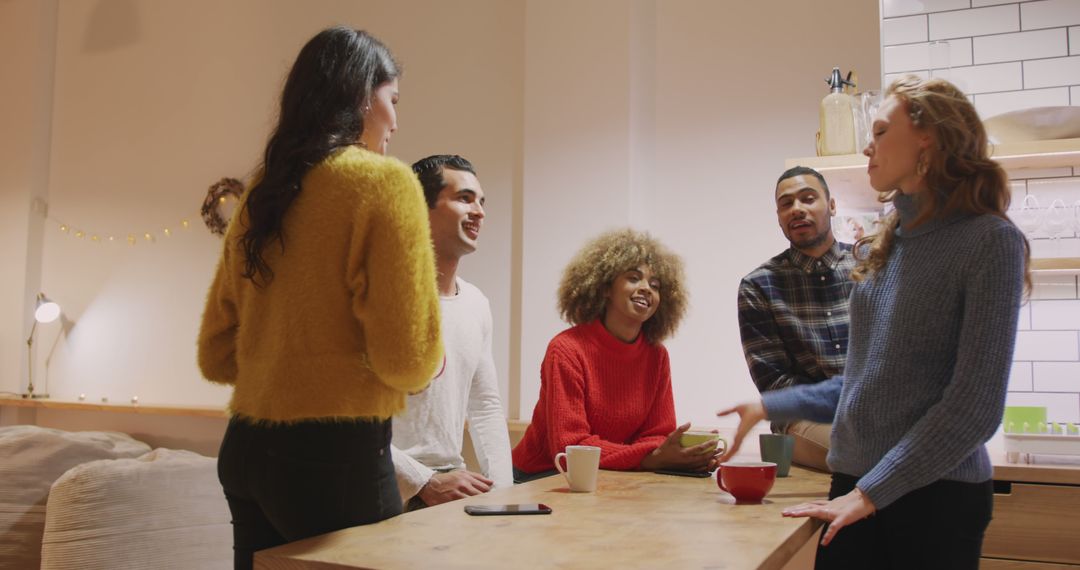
(933, 325)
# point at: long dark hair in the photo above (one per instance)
(333, 77)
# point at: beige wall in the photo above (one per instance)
(577, 110)
(157, 100)
(676, 118)
(738, 89)
(27, 48)
(580, 116)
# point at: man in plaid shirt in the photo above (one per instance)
(793, 309)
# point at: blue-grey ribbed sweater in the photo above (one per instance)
(932, 338)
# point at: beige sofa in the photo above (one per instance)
(105, 500)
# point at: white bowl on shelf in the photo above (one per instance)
(1034, 124)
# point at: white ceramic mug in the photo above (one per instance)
(582, 465)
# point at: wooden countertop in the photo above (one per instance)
(633, 520)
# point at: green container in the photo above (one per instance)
(1025, 419)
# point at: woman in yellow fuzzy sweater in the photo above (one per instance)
(323, 314)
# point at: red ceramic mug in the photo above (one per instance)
(747, 481)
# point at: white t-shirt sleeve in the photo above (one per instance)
(411, 474)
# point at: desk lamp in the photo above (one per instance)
(46, 311)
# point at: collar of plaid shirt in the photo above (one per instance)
(808, 264)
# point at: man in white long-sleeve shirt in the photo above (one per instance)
(428, 436)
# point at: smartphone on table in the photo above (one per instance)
(520, 509)
(680, 473)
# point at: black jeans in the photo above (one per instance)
(940, 525)
(288, 482)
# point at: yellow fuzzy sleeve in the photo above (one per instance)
(392, 275)
(217, 333)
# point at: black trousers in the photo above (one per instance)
(288, 482)
(938, 526)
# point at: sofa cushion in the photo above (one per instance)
(165, 509)
(31, 458)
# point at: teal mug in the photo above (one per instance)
(778, 448)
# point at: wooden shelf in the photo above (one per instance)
(847, 179)
(197, 411)
(848, 183)
(1062, 265)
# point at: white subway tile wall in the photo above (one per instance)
(1057, 376)
(1046, 366)
(991, 78)
(1009, 55)
(894, 8)
(975, 22)
(890, 77)
(1050, 346)
(904, 30)
(1050, 14)
(1052, 72)
(1058, 315)
(916, 57)
(1020, 377)
(1023, 321)
(1021, 46)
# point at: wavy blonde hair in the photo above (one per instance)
(592, 271)
(959, 172)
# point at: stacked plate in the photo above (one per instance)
(1034, 124)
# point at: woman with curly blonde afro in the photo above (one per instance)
(606, 381)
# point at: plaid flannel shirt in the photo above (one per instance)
(793, 317)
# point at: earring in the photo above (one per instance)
(922, 166)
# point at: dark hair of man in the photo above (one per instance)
(804, 171)
(429, 171)
(333, 78)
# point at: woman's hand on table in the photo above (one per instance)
(839, 512)
(750, 413)
(672, 455)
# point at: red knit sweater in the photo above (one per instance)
(597, 390)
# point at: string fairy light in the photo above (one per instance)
(221, 200)
(131, 238)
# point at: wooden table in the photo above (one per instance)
(633, 520)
